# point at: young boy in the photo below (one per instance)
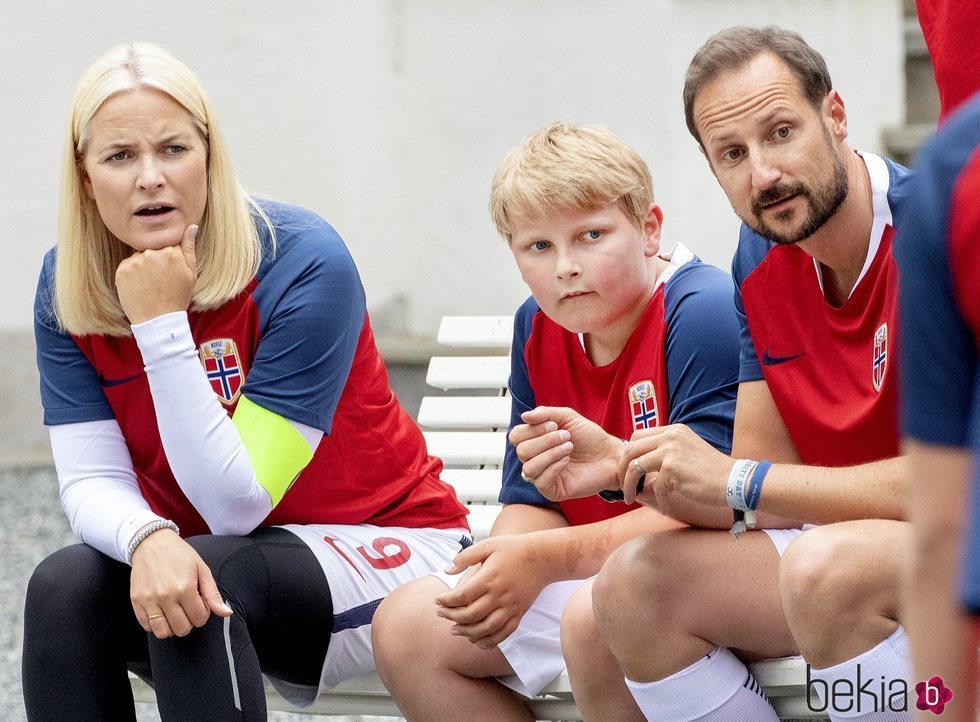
(615, 339)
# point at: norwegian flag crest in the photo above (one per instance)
(643, 405)
(223, 367)
(879, 363)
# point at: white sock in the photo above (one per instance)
(716, 688)
(884, 673)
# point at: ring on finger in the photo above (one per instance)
(154, 616)
(639, 469)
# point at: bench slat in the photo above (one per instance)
(786, 674)
(476, 331)
(474, 486)
(468, 372)
(467, 448)
(481, 519)
(464, 412)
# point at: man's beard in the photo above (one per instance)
(822, 204)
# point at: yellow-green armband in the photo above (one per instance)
(278, 452)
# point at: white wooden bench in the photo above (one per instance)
(467, 432)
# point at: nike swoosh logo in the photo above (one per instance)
(108, 383)
(768, 360)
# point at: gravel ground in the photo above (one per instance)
(32, 526)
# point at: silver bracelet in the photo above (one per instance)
(145, 532)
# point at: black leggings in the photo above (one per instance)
(81, 634)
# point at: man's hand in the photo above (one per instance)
(488, 604)
(155, 282)
(675, 461)
(171, 588)
(566, 455)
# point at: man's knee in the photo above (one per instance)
(824, 564)
(629, 578)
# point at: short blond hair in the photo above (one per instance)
(229, 249)
(569, 166)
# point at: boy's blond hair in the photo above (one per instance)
(569, 166)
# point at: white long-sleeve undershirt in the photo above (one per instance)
(99, 493)
(202, 445)
(98, 485)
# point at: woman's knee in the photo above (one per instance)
(75, 582)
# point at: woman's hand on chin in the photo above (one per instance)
(156, 282)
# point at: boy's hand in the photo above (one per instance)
(565, 455)
(488, 604)
(675, 461)
(155, 282)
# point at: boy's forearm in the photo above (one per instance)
(578, 552)
(525, 518)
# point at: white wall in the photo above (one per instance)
(388, 117)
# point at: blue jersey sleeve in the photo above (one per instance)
(752, 250)
(702, 352)
(514, 489)
(70, 389)
(939, 356)
(311, 315)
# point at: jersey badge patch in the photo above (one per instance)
(224, 369)
(643, 405)
(879, 362)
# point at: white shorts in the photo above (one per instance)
(363, 564)
(533, 650)
(782, 538)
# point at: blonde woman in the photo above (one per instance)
(229, 451)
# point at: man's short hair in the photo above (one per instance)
(568, 166)
(735, 47)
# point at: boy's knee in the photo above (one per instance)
(579, 635)
(403, 625)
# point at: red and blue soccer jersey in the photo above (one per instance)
(938, 251)
(830, 370)
(680, 365)
(951, 30)
(297, 341)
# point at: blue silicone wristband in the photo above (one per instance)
(754, 490)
